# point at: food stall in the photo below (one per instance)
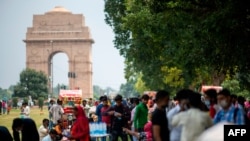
(70, 98)
(204, 88)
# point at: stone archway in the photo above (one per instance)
(57, 31)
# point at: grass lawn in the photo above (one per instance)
(6, 120)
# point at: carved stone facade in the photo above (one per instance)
(60, 31)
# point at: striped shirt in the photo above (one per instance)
(228, 116)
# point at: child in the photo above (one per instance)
(51, 136)
(59, 129)
(8, 109)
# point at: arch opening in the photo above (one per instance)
(58, 70)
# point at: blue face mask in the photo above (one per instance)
(207, 103)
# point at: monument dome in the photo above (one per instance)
(59, 9)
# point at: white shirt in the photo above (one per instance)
(215, 133)
(26, 111)
(56, 112)
(42, 132)
(47, 138)
(175, 132)
(132, 116)
(86, 109)
(193, 121)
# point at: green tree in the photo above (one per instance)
(11, 88)
(41, 102)
(128, 89)
(5, 94)
(140, 85)
(212, 36)
(25, 100)
(14, 101)
(233, 86)
(32, 83)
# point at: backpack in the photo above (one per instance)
(247, 120)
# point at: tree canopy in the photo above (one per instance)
(5, 94)
(32, 83)
(128, 89)
(189, 41)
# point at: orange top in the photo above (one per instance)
(58, 129)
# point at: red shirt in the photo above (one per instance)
(106, 118)
(212, 111)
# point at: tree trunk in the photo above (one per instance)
(218, 78)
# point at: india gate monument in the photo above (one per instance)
(60, 31)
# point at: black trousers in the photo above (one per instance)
(121, 134)
(140, 130)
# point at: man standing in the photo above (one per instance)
(85, 107)
(135, 103)
(210, 99)
(4, 106)
(159, 119)
(98, 109)
(228, 112)
(26, 110)
(120, 117)
(194, 121)
(56, 111)
(181, 105)
(141, 114)
(106, 118)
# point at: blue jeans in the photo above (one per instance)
(51, 124)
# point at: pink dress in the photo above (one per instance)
(147, 135)
(247, 104)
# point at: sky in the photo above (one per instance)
(17, 15)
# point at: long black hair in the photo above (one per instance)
(28, 127)
(17, 122)
(5, 134)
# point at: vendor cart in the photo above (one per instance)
(70, 99)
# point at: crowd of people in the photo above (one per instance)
(189, 116)
(5, 107)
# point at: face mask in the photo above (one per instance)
(223, 103)
(207, 103)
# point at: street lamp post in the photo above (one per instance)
(27, 89)
(51, 42)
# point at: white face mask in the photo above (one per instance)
(207, 102)
(223, 103)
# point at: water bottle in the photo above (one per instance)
(94, 128)
(100, 128)
(91, 128)
(105, 128)
(97, 128)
